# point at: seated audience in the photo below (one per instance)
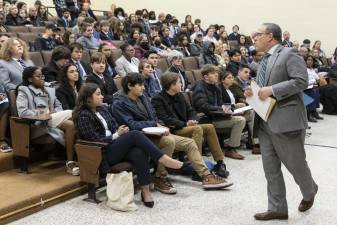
(286, 40)
(87, 11)
(235, 61)
(4, 106)
(207, 99)
(175, 61)
(127, 63)
(42, 12)
(165, 38)
(184, 46)
(317, 46)
(157, 46)
(172, 108)
(94, 122)
(232, 90)
(312, 91)
(13, 60)
(105, 49)
(105, 33)
(22, 19)
(70, 83)
(12, 16)
(234, 36)
(59, 57)
(3, 38)
(210, 36)
(47, 41)
(69, 38)
(328, 94)
(133, 37)
(254, 65)
(34, 18)
(65, 21)
(87, 39)
(3, 27)
(120, 32)
(74, 8)
(208, 56)
(76, 53)
(59, 6)
(152, 58)
(97, 76)
(34, 99)
(197, 45)
(134, 110)
(151, 87)
(142, 45)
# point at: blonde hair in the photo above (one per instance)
(7, 48)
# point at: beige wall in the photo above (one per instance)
(311, 19)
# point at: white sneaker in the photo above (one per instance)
(72, 168)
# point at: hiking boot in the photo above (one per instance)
(212, 181)
(163, 185)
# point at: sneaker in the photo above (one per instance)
(72, 168)
(5, 148)
(163, 185)
(220, 170)
(212, 181)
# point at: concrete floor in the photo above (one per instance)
(236, 205)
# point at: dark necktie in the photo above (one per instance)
(80, 70)
(22, 63)
(261, 77)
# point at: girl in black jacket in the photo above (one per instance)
(94, 122)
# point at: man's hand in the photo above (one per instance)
(265, 92)
(248, 92)
(191, 123)
(122, 130)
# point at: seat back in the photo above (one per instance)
(37, 59)
(163, 64)
(118, 43)
(12, 102)
(10, 34)
(190, 63)
(197, 75)
(37, 30)
(190, 77)
(46, 55)
(18, 29)
(115, 54)
(28, 37)
(86, 56)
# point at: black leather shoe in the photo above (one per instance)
(311, 118)
(147, 204)
(317, 116)
(220, 170)
(306, 205)
(270, 215)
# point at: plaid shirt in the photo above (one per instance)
(90, 127)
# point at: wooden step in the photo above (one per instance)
(47, 184)
(6, 161)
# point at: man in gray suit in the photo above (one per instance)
(282, 75)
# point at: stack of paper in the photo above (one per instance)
(262, 107)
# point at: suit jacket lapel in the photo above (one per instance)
(16, 64)
(271, 63)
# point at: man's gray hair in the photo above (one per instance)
(275, 30)
(174, 54)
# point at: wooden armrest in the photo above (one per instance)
(30, 119)
(92, 143)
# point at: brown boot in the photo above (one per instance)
(212, 181)
(234, 155)
(163, 185)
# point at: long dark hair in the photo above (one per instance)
(86, 91)
(64, 81)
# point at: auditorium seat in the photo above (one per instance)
(86, 56)
(37, 59)
(28, 37)
(163, 64)
(190, 77)
(18, 29)
(115, 54)
(10, 34)
(46, 55)
(197, 75)
(190, 63)
(118, 44)
(37, 30)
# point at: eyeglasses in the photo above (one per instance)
(259, 34)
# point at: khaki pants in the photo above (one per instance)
(203, 130)
(237, 123)
(170, 143)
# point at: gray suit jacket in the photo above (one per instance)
(11, 73)
(287, 74)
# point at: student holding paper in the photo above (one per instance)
(282, 75)
(239, 102)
